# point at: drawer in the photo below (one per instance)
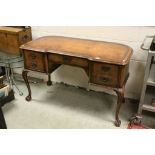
(68, 60)
(34, 61)
(104, 74)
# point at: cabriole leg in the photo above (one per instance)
(24, 74)
(120, 100)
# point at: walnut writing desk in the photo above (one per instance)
(105, 63)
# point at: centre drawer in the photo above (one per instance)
(68, 60)
(34, 61)
(106, 74)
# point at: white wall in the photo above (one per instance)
(132, 36)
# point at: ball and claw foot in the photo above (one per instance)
(49, 83)
(28, 98)
(117, 123)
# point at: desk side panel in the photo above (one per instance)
(123, 75)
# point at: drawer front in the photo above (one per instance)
(104, 74)
(68, 60)
(34, 61)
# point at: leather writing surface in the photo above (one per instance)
(93, 50)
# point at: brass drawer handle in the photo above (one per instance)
(66, 58)
(34, 65)
(105, 68)
(33, 56)
(104, 79)
(25, 37)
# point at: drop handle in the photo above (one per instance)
(33, 56)
(34, 65)
(25, 37)
(105, 68)
(104, 79)
(66, 59)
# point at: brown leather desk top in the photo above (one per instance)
(90, 49)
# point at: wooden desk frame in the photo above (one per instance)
(110, 75)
